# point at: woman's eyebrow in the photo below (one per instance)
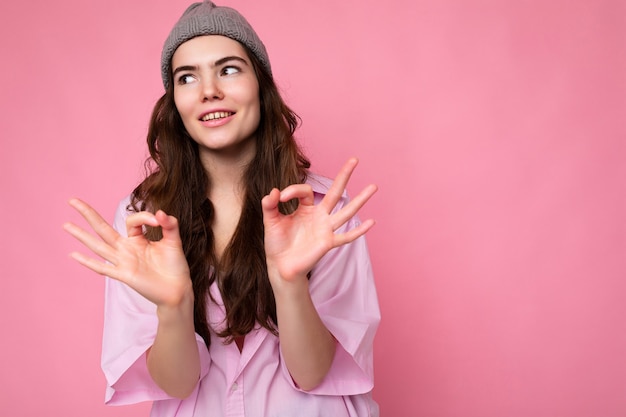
(229, 58)
(184, 68)
(217, 63)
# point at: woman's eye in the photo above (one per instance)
(185, 79)
(230, 70)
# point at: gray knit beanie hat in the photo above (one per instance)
(208, 19)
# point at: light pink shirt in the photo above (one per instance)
(254, 382)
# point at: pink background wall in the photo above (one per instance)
(495, 129)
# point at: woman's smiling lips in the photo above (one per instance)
(216, 117)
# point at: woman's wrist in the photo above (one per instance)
(293, 283)
(182, 308)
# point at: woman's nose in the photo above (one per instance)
(211, 90)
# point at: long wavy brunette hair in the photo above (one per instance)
(177, 183)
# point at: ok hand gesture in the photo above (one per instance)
(156, 270)
(294, 243)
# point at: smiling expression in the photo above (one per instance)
(217, 95)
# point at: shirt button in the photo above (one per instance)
(234, 387)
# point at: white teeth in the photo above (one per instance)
(215, 115)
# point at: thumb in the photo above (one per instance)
(169, 226)
(269, 204)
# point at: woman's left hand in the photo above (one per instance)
(294, 243)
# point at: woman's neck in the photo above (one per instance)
(226, 192)
(226, 173)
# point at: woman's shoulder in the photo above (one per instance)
(320, 184)
(121, 212)
(124, 205)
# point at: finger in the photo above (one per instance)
(169, 226)
(94, 244)
(136, 221)
(353, 234)
(95, 265)
(352, 208)
(336, 190)
(95, 220)
(303, 192)
(269, 205)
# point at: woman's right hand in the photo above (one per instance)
(156, 270)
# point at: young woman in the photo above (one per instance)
(239, 283)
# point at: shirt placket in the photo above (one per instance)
(234, 398)
(235, 395)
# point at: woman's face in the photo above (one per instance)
(217, 95)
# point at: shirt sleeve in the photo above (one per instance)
(130, 325)
(343, 291)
